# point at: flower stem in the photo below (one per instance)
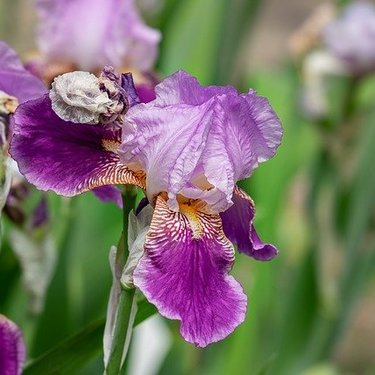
(129, 196)
(127, 306)
(122, 334)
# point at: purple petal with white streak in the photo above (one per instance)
(65, 157)
(184, 272)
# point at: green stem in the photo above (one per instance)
(349, 103)
(129, 197)
(122, 335)
(127, 306)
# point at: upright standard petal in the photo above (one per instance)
(184, 272)
(198, 141)
(65, 157)
(12, 348)
(92, 34)
(239, 228)
(15, 80)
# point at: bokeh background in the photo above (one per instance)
(311, 309)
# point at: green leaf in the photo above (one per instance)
(72, 354)
(205, 49)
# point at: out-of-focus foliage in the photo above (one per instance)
(315, 200)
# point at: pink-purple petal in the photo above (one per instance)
(239, 228)
(65, 157)
(92, 34)
(15, 80)
(351, 37)
(12, 348)
(168, 154)
(109, 194)
(184, 272)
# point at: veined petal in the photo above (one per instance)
(95, 33)
(15, 80)
(12, 348)
(184, 273)
(65, 157)
(167, 154)
(238, 227)
(182, 88)
(199, 141)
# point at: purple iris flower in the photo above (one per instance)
(194, 143)
(94, 33)
(351, 38)
(187, 149)
(67, 141)
(12, 348)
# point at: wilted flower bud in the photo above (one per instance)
(81, 97)
(77, 97)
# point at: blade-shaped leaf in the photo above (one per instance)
(72, 354)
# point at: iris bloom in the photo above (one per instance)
(12, 348)
(351, 38)
(89, 34)
(187, 149)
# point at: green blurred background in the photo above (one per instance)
(311, 309)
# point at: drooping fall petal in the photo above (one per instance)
(239, 228)
(184, 272)
(65, 157)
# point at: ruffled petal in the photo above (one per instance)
(15, 80)
(238, 227)
(182, 88)
(12, 348)
(92, 34)
(199, 141)
(65, 157)
(184, 272)
(168, 154)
